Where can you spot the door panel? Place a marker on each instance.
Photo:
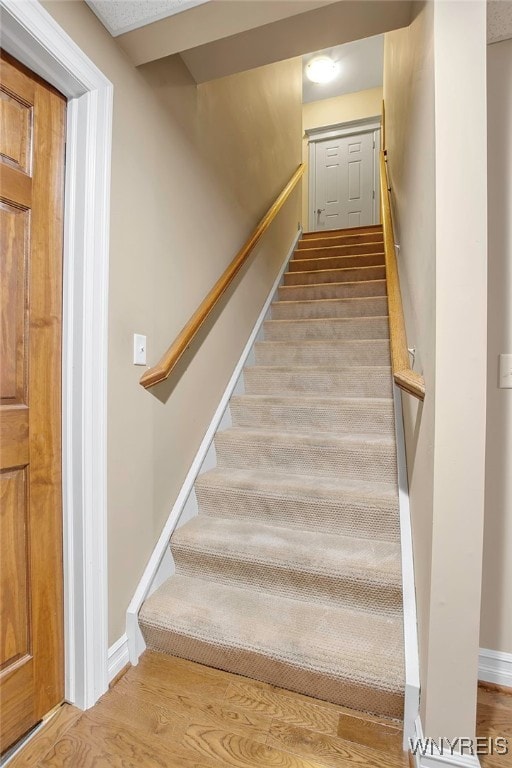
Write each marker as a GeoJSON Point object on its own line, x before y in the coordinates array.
{"type": "Point", "coordinates": [344, 183]}
{"type": "Point", "coordinates": [32, 136]}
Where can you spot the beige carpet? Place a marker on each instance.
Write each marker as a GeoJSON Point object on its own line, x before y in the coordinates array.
{"type": "Point", "coordinates": [291, 572]}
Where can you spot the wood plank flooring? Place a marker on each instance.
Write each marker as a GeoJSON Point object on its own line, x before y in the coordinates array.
{"type": "Point", "coordinates": [171, 713]}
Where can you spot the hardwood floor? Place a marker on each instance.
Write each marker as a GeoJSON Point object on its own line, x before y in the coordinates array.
{"type": "Point", "coordinates": [171, 713]}
{"type": "Point", "coordinates": [494, 718]}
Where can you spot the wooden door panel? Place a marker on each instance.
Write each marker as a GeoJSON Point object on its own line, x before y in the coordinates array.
{"type": "Point", "coordinates": [15, 132]}
{"type": "Point", "coordinates": [32, 122]}
{"type": "Point", "coordinates": [14, 602]}
{"type": "Point", "coordinates": [14, 230]}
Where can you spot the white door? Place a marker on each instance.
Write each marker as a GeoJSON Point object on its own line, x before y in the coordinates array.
{"type": "Point", "coordinates": [345, 182]}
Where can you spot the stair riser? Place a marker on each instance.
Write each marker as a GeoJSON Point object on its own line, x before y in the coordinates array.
{"type": "Point", "coordinates": [347, 515]}
{"type": "Point", "coordinates": [337, 262]}
{"type": "Point", "coordinates": [267, 669]}
{"type": "Point", "coordinates": [332, 355]}
{"type": "Point", "coordinates": [342, 328]}
{"type": "Point", "coordinates": [366, 382]}
{"type": "Point", "coordinates": [309, 310]}
{"type": "Point", "coordinates": [354, 290]}
{"type": "Point", "coordinates": [326, 242]}
{"type": "Point", "coordinates": [337, 251]}
{"type": "Point", "coordinates": [375, 463]}
{"type": "Point", "coordinates": [335, 419]}
{"type": "Point", "coordinates": [356, 274]}
{"type": "Point", "coordinates": [356, 592]}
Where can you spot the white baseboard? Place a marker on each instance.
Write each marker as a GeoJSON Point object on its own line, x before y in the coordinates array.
{"type": "Point", "coordinates": [118, 657]}
{"type": "Point", "coordinates": [186, 495]}
{"type": "Point", "coordinates": [495, 667]}
{"type": "Point", "coordinates": [434, 759]}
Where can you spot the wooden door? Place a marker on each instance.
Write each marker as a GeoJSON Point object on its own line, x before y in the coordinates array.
{"type": "Point", "coordinates": [32, 136]}
{"type": "Point", "coordinates": [345, 182]}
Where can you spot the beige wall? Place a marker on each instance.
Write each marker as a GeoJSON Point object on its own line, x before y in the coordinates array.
{"type": "Point", "coordinates": [434, 69]}
{"type": "Point", "coordinates": [496, 627]}
{"type": "Point", "coordinates": [410, 140]}
{"type": "Point", "coordinates": [192, 171]}
{"type": "Point", "coordinates": [340, 109]}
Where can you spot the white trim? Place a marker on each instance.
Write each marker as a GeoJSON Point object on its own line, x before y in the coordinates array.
{"type": "Point", "coordinates": [351, 128]}
{"type": "Point", "coordinates": [118, 657]}
{"type": "Point", "coordinates": [437, 760]}
{"type": "Point", "coordinates": [495, 667]}
{"type": "Point", "coordinates": [412, 664]}
{"type": "Point", "coordinates": [204, 458]}
{"type": "Point", "coordinates": [31, 35]}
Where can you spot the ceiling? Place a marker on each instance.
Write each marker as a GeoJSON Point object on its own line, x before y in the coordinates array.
{"type": "Point", "coordinates": [361, 66]}
{"type": "Point", "coordinates": [120, 16]}
{"type": "Point", "coordinates": [499, 20]}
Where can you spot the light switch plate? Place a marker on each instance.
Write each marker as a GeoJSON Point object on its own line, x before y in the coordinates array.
{"type": "Point", "coordinates": [139, 349]}
{"type": "Point", "coordinates": [505, 376]}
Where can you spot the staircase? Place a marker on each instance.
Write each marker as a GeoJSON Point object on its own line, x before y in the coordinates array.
{"type": "Point", "coordinates": [291, 572]}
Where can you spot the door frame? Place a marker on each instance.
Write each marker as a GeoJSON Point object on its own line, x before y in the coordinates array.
{"type": "Point", "coordinates": [350, 128]}
{"type": "Point", "coordinates": [33, 37]}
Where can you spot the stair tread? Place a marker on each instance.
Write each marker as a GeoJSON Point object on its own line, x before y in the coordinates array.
{"type": "Point", "coordinates": [312, 438]}
{"type": "Point", "coordinates": [340, 643]}
{"type": "Point", "coordinates": [299, 485]}
{"type": "Point", "coordinates": [314, 368]}
{"type": "Point", "coordinates": [337, 247]}
{"type": "Point", "coordinates": [330, 342]}
{"type": "Point", "coordinates": [337, 269]}
{"type": "Point", "coordinates": [344, 557]}
{"type": "Point", "coordinates": [331, 285]}
{"type": "Point", "coordinates": [340, 320]}
{"type": "Point", "coordinates": [313, 399]}
{"type": "Point", "coordinates": [343, 231]}
{"type": "Point", "coordinates": [342, 299]}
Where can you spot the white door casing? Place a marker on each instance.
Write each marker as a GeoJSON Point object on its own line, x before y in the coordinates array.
{"type": "Point", "coordinates": [344, 175]}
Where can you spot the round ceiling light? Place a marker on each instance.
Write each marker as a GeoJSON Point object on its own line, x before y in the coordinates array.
{"type": "Point", "coordinates": [321, 70]}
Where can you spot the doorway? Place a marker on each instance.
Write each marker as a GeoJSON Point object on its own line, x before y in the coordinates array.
{"type": "Point", "coordinates": [32, 162]}
{"type": "Point", "coordinates": [31, 36]}
{"type": "Point", "coordinates": [344, 176]}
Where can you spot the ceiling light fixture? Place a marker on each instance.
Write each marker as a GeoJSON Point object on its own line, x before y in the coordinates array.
{"type": "Point", "coordinates": [321, 70]}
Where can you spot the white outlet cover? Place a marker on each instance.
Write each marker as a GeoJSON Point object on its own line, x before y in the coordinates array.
{"type": "Point", "coordinates": [139, 349]}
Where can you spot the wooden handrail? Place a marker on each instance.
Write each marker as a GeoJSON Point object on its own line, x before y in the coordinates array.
{"type": "Point", "coordinates": [404, 376]}
{"type": "Point", "coordinates": [165, 365]}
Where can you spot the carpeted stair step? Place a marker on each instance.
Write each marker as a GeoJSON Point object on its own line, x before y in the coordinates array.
{"type": "Point", "coordinates": [348, 290]}
{"type": "Point", "coordinates": [325, 353]}
{"type": "Point", "coordinates": [350, 231]}
{"type": "Point", "coordinates": [336, 505]}
{"type": "Point", "coordinates": [318, 567]}
{"type": "Point", "coordinates": [337, 252]}
{"type": "Point", "coordinates": [347, 275]}
{"type": "Point", "coordinates": [352, 381]}
{"type": "Point", "coordinates": [373, 306]}
{"type": "Point", "coordinates": [314, 413]}
{"type": "Point", "coordinates": [336, 262]}
{"type": "Point", "coordinates": [353, 658]}
{"type": "Point", "coordinates": [319, 241]}
{"type": "Point", "coordinates": [310, 329]}
{"type": "Point", "coordinates": [365, 457]}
